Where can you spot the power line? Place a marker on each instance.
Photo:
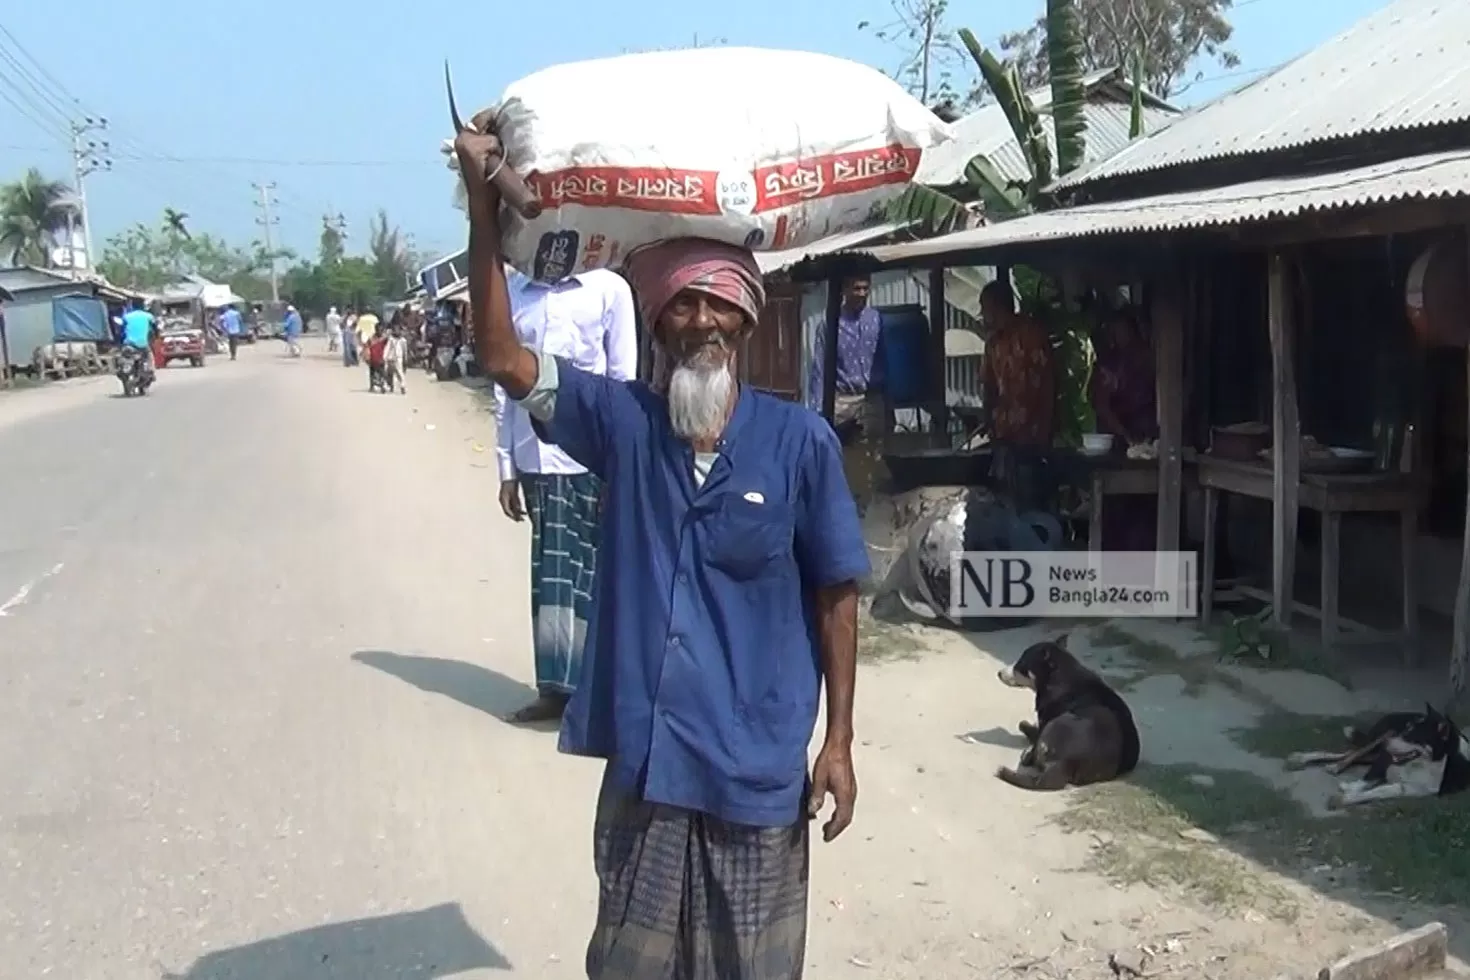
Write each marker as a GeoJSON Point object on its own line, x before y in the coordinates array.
{"type": "Point", "coordinates": [237, 161]}
{"type": "Point", "coordinates": [21, 73]}
{"type": "Point", "coordinates": [44, 99]}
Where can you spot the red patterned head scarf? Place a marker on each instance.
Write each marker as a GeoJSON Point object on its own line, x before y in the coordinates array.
{"type": "Point", "coordinates": [661, 271]}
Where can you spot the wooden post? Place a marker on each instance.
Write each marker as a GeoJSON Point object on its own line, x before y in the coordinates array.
{"type": "Point", "coordinates": [937, 359]}
{"type": "Point", "coordinates": [1460, 656]}
{"type": "Point", "coordinates": [1168, 339]}
{"type": "Point", "coordinates": [4, 354]}
{"type": "Point", "coordinates": [1286, 442]}
{"type": "Point", "coordinates": [829, 351]}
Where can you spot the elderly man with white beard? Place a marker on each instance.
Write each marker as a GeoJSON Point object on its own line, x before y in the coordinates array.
{"type": "Point", "coordinates": [726, 600]}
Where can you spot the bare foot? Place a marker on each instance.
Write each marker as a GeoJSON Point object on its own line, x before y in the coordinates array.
{"type": "Point", "coordinates": [547, 707]}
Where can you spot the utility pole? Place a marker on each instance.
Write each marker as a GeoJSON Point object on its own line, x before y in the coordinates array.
{"type": "Point", "coordinates": [267, 221]}
{"type": "Point", "coordinates": [87, 157]}
{"type": "Point", "coordinates": [410, 255]}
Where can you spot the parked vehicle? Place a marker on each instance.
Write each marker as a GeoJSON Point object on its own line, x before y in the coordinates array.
{"type": "Point", "coordinates": [134, 371]}
{"type": "Point", "coordinates": [182, 341]}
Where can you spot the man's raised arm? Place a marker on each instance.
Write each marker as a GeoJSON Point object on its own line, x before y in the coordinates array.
{"type": "Point", "coordinates": [568, 407]}
{"type": "Point", "coordinates": [497, 347]}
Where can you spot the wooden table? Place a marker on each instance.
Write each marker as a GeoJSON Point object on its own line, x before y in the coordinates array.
{"type": "Point", "coordinates": [1332, 495]}
{"type": "Point", "coordinates": [1116, 474]}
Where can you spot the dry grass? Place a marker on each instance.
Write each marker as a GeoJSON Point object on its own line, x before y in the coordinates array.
{"type": "Point", "coordinates": [1215, 834]}
{"type": "Point", "coordinates": [1147, 830]}
{"type": "Point", "coordinates": [880, 642]}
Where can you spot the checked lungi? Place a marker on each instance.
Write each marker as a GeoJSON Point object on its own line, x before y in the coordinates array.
{"type": "Point", "coordinates": [685, 896]}
{"type": "Point", "coordinates": [564, 511]}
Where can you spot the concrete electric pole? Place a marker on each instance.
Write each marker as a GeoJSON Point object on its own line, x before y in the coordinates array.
{"type": "Point", "coordinates": [267, 221]}
{"type": "Point", "coordinates": [87, 157]}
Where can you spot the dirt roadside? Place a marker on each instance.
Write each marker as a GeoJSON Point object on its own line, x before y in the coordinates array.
{"type": "Point", "coordinates": [949, 873]}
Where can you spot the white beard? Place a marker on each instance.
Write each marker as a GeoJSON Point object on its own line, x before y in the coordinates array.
{"type": "Point", "coordinates": [699, 399]}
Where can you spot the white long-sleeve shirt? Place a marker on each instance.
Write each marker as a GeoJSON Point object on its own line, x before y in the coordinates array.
{"type": "Point", "coordinates": [588, 320]}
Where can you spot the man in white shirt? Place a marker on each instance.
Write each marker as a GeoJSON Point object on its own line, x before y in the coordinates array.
{"type": "Point", "coordinates": [589, 320]}
{"type": "Point", "coordinates": [334, 330]}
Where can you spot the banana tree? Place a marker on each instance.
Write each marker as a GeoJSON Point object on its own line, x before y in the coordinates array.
{"type": "Point", "coordinates": [1000, 197]}
{"type": "Point", "coordinates": [1135, 109]}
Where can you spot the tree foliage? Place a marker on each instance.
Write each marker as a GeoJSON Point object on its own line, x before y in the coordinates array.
{"type": "Point", "coordinates": [34, 211]}
{"type": "Point", "coordinates": [351, 281]}
{"type": "Point", "coordinates": [392, 260]}
{"type": "Point", "coordinates": [931, 56]}
{"type": "Point", "coordinates": [150, 258]}
{"type": "Point", "coordinates": [331, 246]}
{"type": "Point", "coordinates": [1170, 37]}
{"type": "Point", "coordinates": [1068, 94]}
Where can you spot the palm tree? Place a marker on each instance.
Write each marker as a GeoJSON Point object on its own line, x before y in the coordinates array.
{"type": "Point", "coordinates": [173, 222]}
{"type": "Point", "coordinates": [33, 212]}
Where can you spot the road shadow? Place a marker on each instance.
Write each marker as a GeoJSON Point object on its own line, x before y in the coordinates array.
{"type": "Point", "coordinates": [427, 944]}
{"type": "Point", "coordinates": [470, 684]}
{"type": "Point", "coordinates": [1000, 737]}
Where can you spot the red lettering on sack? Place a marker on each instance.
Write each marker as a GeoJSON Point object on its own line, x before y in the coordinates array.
{"type": "Point", "coordinates": [779, 240]}
{"type": "Point", "coordinates": [798, 181]}
{"type": "Point", "coordinates": [656, 189]}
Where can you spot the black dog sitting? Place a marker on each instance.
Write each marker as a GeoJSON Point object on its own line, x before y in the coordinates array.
{"type": "Point", "coordinates": [1084, 732]}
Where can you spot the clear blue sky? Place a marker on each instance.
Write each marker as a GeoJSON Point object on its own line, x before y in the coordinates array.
{"type": "Point", "coordinates": [342, 104]}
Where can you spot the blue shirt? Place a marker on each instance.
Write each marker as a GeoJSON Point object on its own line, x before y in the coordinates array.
{"type": "Point", "coordinates": [701, 675]}
{"type": "Point", "coordinates": [230, 320]}
{"type": "Point", "coordinates": [137, 328]}
{"type": "Point", "coordinates": [293, 324]}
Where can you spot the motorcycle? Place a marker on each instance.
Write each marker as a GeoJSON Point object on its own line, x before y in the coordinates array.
{"type": "Point", "coordinates": [134, 371]}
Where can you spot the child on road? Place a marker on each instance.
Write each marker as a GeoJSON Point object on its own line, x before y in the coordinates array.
{"type": "Point", "coordinates": [376, 354]}
{"type": "Point", "coordinates": [394, 354]}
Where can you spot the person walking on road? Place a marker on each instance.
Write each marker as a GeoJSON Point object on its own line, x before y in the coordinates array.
{"type": "Point", "coordinates": [726, 601]}
{"type": "Point", "coordinates": [334, 330]}
{"type": "Point", "coordinates": [233, 328]}
{"type": "Point", "coordinates": [375, 353]}
{"type": "Point", "coordinates": [349, 339]}
{"type": "Point", "coordinates": [367, 329]}
{"type": "Point", "coordinates": [293, 331]}
{"type": "Point", "coordinates": [395, 352]}
{"type": "Point", "coordinates": [590, 318]}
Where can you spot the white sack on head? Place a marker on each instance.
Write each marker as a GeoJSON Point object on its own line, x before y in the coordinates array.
{"type": "Point", "coordinates": [766, 149]}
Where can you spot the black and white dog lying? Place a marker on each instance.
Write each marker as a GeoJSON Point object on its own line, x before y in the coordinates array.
{"type": "Point", "coordinates": [1408, 755]}
{"type": "Point", "coordinates": [1084, 732]}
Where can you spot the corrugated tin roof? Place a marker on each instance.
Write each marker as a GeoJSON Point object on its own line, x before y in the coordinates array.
{"type": "Point", "coordinates": [1404, 67]}
{"type": "Point", "coordinates": [1427, 177]}
{"type": "Point", "coordinates": [19, 279]}
{"type": "Point", "coordinates": [770, 262]}
{"type": "Point", "coordinates": [986, 131]}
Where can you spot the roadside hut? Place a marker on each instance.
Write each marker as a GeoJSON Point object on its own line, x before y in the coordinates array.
{"type": "Point", "coordinates": [1274, 252]}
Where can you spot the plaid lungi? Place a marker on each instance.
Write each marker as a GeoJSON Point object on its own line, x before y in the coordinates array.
{"type": "Point", "coordinates": [685, 896]}
{"type": "Point", "coordinates": [565, 514]}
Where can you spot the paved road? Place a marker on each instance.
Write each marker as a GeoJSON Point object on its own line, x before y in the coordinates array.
{"type": "Point", "coordinates": [257, 626]}
{"type": "Point", "coordinates": [257, 631]}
